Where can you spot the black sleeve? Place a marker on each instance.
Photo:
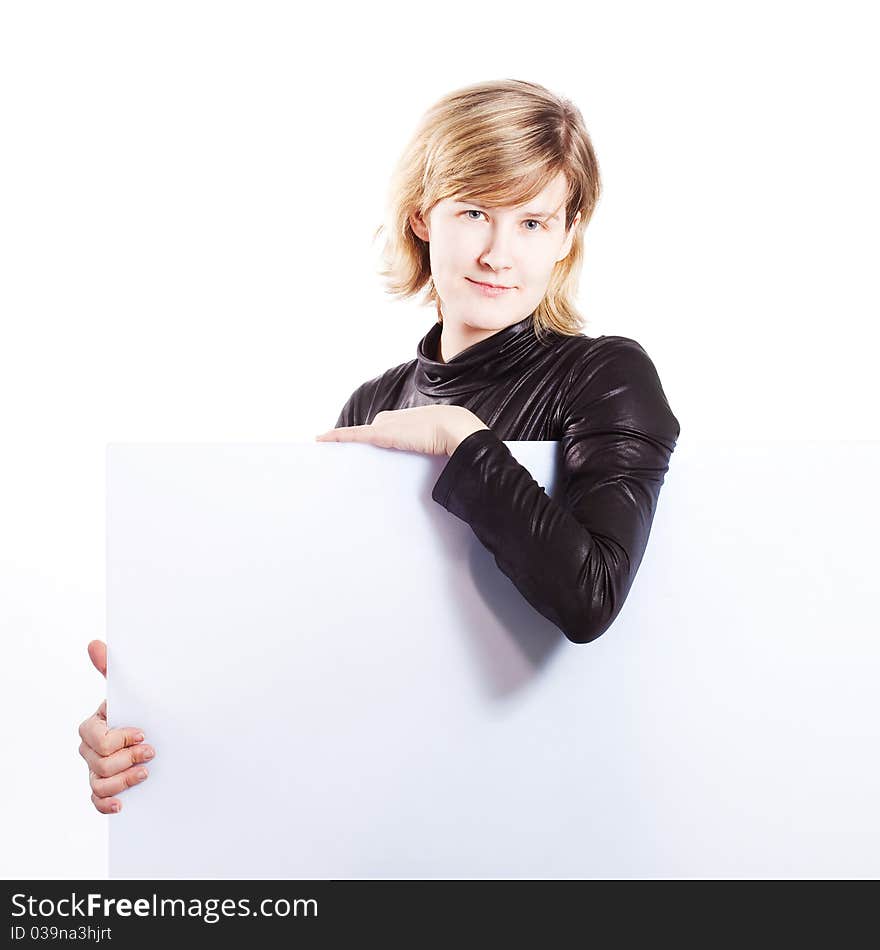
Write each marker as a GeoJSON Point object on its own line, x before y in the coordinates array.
{"type": "Point", "coordinates": [574, 557]}
{"type": "Point", "coordinates": [352, 412]}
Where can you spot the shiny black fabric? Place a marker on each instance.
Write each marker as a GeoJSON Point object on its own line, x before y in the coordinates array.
{"type": "Point", "coordinates": [573, 557]}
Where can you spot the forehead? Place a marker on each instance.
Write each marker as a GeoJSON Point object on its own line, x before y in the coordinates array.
{"type": "Point", "coordinates": [548, 199]}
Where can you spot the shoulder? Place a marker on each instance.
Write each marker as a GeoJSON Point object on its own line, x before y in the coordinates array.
{"type": "Point", "coordinates": [375, 394]}
{"type": "Point", "coordinates": [585, 362]}
{"type": "Point", "coordinates": [581, 350]}
{"type": "Point", "coordinates": [615, 354]}
{"type": "Point", "coordinates": [613, 381]}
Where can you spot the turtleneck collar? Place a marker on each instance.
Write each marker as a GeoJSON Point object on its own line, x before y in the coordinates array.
{"type": "Point", "coordinates": [478, 365]}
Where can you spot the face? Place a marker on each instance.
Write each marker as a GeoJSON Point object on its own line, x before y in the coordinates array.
{"type": "Point", "coordinates": [511, 247]}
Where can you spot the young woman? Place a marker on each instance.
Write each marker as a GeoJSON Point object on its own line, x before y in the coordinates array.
{"type": "Point", "coordinates": [487, 211]}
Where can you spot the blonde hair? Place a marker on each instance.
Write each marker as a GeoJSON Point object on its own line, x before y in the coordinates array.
{"type": "Point", "coordinates": [501, 141]}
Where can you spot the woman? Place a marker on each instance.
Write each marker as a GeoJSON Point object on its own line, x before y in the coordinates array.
{"type": "Point", "coordinates": [488, 207]}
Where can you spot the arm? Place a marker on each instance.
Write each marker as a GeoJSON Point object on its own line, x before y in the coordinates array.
{"type": "Point", "coordinates": [574, 558]}
{"type": "Point", "coordinates": [358, 408]}
{"type": "Point", "coordinates": [348, 415]}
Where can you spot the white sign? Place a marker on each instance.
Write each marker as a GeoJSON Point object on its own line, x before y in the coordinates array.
{"type": "Point", "coordinates": [341, 683]}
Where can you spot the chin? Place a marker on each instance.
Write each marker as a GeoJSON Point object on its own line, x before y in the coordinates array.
{"type": "Point", "coordinates": [484, 314]}
{"type": "Point", "coordinates": [496, 321]}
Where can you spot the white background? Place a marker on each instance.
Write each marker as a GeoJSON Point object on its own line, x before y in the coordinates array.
{"type": "Point", "coordinates": [188, 193]}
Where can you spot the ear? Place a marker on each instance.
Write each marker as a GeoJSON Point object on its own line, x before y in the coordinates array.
{"type": "Point", "coordinates": [417, 223]}
{"type": "Point", "coordinates": [569, 238]}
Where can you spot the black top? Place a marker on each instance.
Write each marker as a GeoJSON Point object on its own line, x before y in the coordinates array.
{"type": "Point", "coordinates": [573, 557]}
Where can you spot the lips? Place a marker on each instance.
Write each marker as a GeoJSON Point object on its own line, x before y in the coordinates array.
{"type": "Point", "coordinates": [484, 283]}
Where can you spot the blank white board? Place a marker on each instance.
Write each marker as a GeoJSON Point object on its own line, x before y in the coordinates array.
{"type": "Point", "coordinates": [340, 682]}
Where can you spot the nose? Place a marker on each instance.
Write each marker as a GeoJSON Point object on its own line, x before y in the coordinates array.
{"type": "Point", "coordinates": [497, 254]}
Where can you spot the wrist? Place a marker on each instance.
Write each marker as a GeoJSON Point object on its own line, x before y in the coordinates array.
{"type": "Point", "coordinates": [458, 433]}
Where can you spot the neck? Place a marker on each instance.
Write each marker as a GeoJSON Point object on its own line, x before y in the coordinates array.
{"type": "Point", "coordinates": [454, 339]}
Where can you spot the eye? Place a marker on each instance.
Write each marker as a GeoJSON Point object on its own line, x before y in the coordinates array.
{"type": "Point", "coordinates": [527, 221]}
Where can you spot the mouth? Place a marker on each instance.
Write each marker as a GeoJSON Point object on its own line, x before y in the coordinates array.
{"type": "Point", "coordinates": [482, 283]}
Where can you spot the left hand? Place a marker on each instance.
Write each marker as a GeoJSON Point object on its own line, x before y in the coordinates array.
{"type": "Point", "coordinates": [433, 430]}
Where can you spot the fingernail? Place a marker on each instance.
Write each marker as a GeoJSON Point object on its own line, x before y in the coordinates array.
{"type": "Point", "coordinates": [115, 807]}
{"type": "Point", "coordinates": [148, 753]}
{"type": "Point", "coordinates": [139, 737]}
{"type": "Point", "coordinates": [143, 774]}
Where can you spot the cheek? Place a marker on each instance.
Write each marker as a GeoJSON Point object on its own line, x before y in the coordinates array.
{"type": "Point", "coordinates": [537, 269]}
{"type": "Point", "coordinates": [548, 261]}
{"type": "Point", "coordinates": [450, 256]}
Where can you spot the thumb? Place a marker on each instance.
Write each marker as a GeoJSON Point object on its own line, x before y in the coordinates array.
{"type": "Point", "coordinates": [98, 656]}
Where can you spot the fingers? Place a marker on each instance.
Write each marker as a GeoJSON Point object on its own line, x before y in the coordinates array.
{"type": "Point", "coordinates": [107, 766]}
{"type": "Point", "coordinates": [348, 434]}
{"type": "Point", "coordinates": [106, 806]}
{"type": "Point", "coordinates": [98, 656]}
{"type": "Point", "coordinates": [371, 435]}
{"type": "Point", "coordinates": [94, 732]}
{"type": "Point", "coordinates": [114, 756]}
{"type": "Point", "coordinates": [120, 768]}
{"type": "Point", "coordinates": [108, 787]}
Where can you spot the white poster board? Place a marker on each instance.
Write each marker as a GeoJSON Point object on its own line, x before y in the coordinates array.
{"type": "Point", "coordinates": [340, 683]}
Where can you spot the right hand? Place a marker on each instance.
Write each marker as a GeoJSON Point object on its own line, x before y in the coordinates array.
{"type": "Point", "coordinates": [114, 756]}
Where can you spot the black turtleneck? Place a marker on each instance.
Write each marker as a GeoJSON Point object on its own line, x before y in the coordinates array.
{"type": "Point", "coordinates": [469, 371]}
{"type": "Point", "coordinates": [573, 557]}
